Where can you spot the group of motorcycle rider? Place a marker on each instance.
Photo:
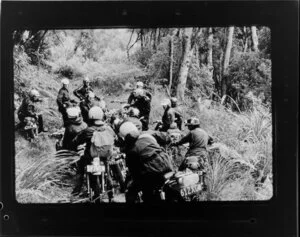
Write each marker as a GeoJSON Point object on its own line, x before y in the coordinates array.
{"type": "Point", "coordinates": [146, 158]}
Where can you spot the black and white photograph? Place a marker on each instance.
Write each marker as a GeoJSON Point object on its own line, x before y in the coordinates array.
{"type": "Point", "coordinates": [143, 115]}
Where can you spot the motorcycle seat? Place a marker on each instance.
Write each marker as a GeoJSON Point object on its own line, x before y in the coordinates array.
{"type": "Point", "coordinates": [168, 175]}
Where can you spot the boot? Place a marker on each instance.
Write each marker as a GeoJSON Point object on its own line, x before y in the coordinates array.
{"type": "Point", "coordinates": [41, 124]}
{"type": "Point", "coordinates": [79, 183]}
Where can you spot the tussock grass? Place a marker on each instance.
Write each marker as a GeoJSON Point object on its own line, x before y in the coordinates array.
{"type": "Point", "coordinates": [39, 172]}
{"type": "Point", "coordinates": [224, 167]}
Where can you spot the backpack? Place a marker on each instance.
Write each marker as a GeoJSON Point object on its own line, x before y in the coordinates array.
{"type": "Point", "coordinates": [102, 143]}
{"type": "Point", "coordinates": [158, 163]}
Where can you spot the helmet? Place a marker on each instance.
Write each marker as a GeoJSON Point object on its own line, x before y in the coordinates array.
{"type": "Point", "coordinates": [174, 100]}
{"type": "Point", "coordinates": [192, 162]}
{"type": "Point", "coordinates": [96, 113]}
{"type": "Point", "coordinates": [139, 84]}
{"type": "Point", "coordinates": [91, 95]}
{"type": "Point", "coordinates": [125, 106]}
{"type": "Point", "coordinates": [86, 79]}
{"type": "Point", "coordinates": [102, 104]}
{"type": "Point", "coordinates": [34, 92]}
{"type": "Point", "coordinates": [139, 92]}
{"type": "Point", "coordinates": [73, 112]}
{"type": "Point", "coordinates": [133, 112]}
{"type": "Point", "coordinates": [166, 102]}
{"type": "Point", "coordinates": [173, 125]}
{"type": "Point", "coordinates": [128, 128]}
{"type": "Point", "coordinates": [193, 121]}
{"type": "Point", "coordinates": [65, 81]}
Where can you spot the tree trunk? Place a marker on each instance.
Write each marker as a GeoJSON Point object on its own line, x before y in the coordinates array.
{"type": "Point", "coordinates": [254, 39]}
{"type": "Point", "coordinates": [210, 48]}
{"type": "Point", "coordinates": [127, 47]}
{"type": "Point", "coordinates": [226, 60]}
{"type": "Point", "coordinates": [155, 40]}
{"type": "Point", "coordinates": [184, 67]}
{"type": "Point", "coordinates": [245, 39]}
{"type": "Point", "coordinates": [171, 61]}
{"type": "Point", "coordinates": [142, 39]}
{"type": "Point", "coordinates": [197, 54]}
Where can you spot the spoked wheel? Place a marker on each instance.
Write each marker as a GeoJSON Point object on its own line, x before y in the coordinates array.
{"type": "Point", "coordinates": [94, 188]}
{"type": "Point", "coordinates": [97, 189]}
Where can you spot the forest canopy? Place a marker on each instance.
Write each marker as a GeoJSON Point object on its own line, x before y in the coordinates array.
{"type": "Point", "coordinates": [212, 62]}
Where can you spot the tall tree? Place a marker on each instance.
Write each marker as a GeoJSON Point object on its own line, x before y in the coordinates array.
{"type": "Point", "coordinates": [184, 67]}
{"type": "Point", "coordinates": [245, 39]}
{"type": "Point", "coordinates": [226, 60]}
{"type": "Point", "coordinates": [171, 59]}
{"type": "Point", "coordinates": [210, 48]}
{"type": "Point", "coordinates": [254, 38]}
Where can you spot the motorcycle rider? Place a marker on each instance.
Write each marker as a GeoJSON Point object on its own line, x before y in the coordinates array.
{"type": "Point", "coordinates": [133, 116]}
{"type": "Point", "coordinates": [168, 117]}
{"type": "Point", "coordinates": [28, 109]}
{"type": "Point", "coordinates": [141, 99]}
{"type": "Point", "coordinates": [133, 96]}
{"type": "Point", "coordinates": [85, 136]}
{"type": "Point", "coordinates": [198, 140]}
{"type": "Point", "coordinates": [63, 99]}
{"type": "Point", "coordinates": [83, 91]}
{"type": "Point", "coordinates": [74, 127]}
{"type": "Point", "coordinates": [86, 105]}
{"type": "Point", "coordinates": [147, 163]}
{"type": "Point", "coordinates": [178, 114]}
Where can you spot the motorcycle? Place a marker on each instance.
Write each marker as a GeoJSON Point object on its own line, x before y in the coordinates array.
{"type": "Point", "coordinates": [101, 177]}
{"type": "Point", "coordinates": [58, 135]}
{"type": "Point", "coordinates": [180, 186]}
{"type": "Point", "coordinates": [30, 128]}
{"type": "Point", "coordinates": [96, 180]}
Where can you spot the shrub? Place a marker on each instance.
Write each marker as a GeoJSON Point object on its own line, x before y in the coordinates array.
{"type": "Point", "coordinates": [142, 56]}
{"type": "Point", "coordinates": [23, 71]}
{"type": "Point", "coordinates": [200, 82]}
{"type": "Point", "coordinates": [42, 174]}
{"type": "Point", "coordinates": [249, 72]}
{"type": "Point", "coordinates": [224, 170]}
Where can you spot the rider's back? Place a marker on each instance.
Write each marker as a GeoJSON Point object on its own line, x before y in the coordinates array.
{"type": "Point", "coordinates": [198, 141]}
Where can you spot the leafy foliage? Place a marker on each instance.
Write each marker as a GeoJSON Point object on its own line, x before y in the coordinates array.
{"type": "Point", "coordinates": [250, 72]}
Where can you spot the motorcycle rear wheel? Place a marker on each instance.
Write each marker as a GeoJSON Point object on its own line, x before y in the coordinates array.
{"type": "Point", "coordinates": [94, 188]}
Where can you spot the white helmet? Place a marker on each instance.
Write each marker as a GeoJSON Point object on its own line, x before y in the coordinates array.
{"type": "Point", "coordinates": [128, 128]}
{"type": "Point", "coordinates": [166, 102]}
{"type": "Point", "coordinates": [139, 84]}
{"type": "Point", "coordinates": [91, 95]}
{"type": "Point", "coordinates": [174, 101]}
{"type": "Point", "coordinates": [139, 92]}
{"type": "Point", "coordinates": [133, 112]}
{"type": "Point", "coordinates": [34, 92]}
{"type": "Point", "coordinates": [73, 112]}
{"type": "Point", "coordinates": [86, 79]}
{"type": "Point", "coordinates": [65, 81]}
{"type": "Point", "coordinates": [96, 113]}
